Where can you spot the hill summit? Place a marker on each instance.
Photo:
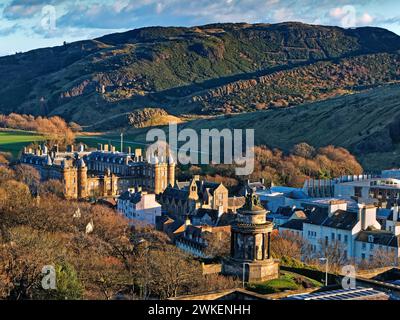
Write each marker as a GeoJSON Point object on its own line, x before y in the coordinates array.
{"type": "Point", "coordinates": [211, 69]}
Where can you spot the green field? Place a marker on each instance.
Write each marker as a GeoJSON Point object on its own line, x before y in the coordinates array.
{"type": "Point", "coordinates": [14, 141]}
{"type": "Point", "coordinates": [114, 139]}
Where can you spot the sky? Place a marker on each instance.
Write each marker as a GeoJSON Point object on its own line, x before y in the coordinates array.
{"type": "Point", "coordinates": [31, 24]}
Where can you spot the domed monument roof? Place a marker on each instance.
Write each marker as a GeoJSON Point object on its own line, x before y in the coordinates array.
{"type": "Point", "coordinates": [252, 204]}
{"type": "Point", "coordinates": [252, 214]}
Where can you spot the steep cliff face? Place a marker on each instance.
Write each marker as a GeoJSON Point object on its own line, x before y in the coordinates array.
{"type": "Point", "coordinates": [318, 81]}
{"type": "Point", "coordinates": [210, 69]}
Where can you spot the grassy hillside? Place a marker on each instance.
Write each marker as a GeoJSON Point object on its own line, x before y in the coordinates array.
{"type": "Point", "coordinates": [368, 124]}
{"type": "Point", "coordinates": [213, 69]}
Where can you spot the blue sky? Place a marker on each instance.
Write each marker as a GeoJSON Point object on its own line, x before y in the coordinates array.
{"type": "Point", "coordinates": [31, 24]}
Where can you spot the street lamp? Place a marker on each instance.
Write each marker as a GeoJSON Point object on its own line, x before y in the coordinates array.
{"type": "Point", "coordinates": [244, 269]}
{"type": "Point", "coordinates": [326, 269]}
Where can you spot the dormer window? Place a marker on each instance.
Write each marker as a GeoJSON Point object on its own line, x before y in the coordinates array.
{"type": "Point", "coordinates": [370, 238]}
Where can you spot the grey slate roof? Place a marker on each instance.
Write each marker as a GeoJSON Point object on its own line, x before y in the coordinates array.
{"type": "Point", "coordinates": [380, 237]}
{"type": "Point", "coordinates": [344, 220]}
{"type": "Point", "coordinates": [341, 219]}
{"type": "Point", "coordinates": [294, 224]}
{"type": "Point", "coordinates": [132, 197]}
{"type": "Point", "coordinates": [175, 193]}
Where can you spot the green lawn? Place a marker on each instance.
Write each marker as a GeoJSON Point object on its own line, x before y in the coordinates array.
{"type": "Point", "coordinates": [15, 141]}
{"type": "Point", "coordinates": [114, 139]}
{"type": "Point", "coordinates": [287, 281]}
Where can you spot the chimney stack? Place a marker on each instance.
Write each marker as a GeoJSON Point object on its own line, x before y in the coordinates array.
{"type": "Point", "coordinates": [395, 212]}
{"type": "Point", "coordinates": [138, 152]}
{"type": "Point", "coordinates": [187, 221]}
{"type": "Point", "coordinates": [335, 205]}
{"type": "Point", "coordinates": [367, 216]}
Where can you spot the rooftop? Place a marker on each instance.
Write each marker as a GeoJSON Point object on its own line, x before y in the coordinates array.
{"type": "Point", "coordinates": [379, 237]}
{"type": "Point", "coordinates": [343, 294]}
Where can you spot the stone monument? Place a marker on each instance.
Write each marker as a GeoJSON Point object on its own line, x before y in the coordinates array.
{"type": "Point", "coordinates": [251, 244]}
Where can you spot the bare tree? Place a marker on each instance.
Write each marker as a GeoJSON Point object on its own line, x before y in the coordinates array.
{"type": "Point", "coordinates": [381, 258]}
{"type": "Point", "coordinates": [28, 175]}
{"type": "Point", "coordinates": [335, 252]}
{"type": "Point", "coordinates": [218, 243]}
{"type": "Point", "coordinates": [287, 244]}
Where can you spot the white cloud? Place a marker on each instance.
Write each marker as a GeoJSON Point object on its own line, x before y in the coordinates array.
{"type": "Point", "coordinates": [348, 16]}
{"type": "Point", "coordinates": [366, 18]}
{"type": "Point", "coordinates": [159, 8]}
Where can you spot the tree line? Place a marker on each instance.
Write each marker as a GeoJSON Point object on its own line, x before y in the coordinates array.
{"type": "Point", "coordinates": [291, 168]}
{"type": "Point", "coordinates": [110, 260]}
{"type": "Point", "coordinates": [54, 129]}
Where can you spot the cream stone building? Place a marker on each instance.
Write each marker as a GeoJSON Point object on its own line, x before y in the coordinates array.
{"type": "Point", "coordinates": [185, 198]}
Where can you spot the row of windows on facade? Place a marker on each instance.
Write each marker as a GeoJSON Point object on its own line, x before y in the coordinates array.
{"type": "Point", "coordinates": [138, 171]}
{"type": "Point", "coordinates": [382, 194]}
{"type": "Point", "coordinates": [363, 245]}
{"type": "Point", "coordinates": [313, 234]}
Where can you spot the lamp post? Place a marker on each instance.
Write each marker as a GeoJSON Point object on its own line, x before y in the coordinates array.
{"type": "Point", "coordinates": [326, 269]}
{"type": "Point", "coordinates": [244, 272]}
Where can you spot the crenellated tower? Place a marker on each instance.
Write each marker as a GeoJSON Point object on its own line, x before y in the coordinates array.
{"type": "Point", "coordinates": [171, 170]}
{"type": "Point", "coordinates": [82, 179]}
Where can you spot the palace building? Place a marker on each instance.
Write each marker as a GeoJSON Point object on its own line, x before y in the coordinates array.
{"type": "Point", "coordinates": [101, 173]}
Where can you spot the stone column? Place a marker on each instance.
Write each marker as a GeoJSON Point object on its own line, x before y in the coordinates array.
{"type": "Point", "coordinates": [264, 245]}
{"type": "Point", "coordinates": [269, 245]}
{"type": "Point", "coordinates": [254, 247]}
{"type": "Point", "coordinates": [233, 243]}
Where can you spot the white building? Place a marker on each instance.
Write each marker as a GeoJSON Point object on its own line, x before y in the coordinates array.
{"type": "Point", "coordinates": [140, 206]}
{"type": "Point", "coordinates": [383, 189]}
{"type": "Point", "coordinates": [380, 189]}
{"type": "Point", "coordinates": [357, 231]}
